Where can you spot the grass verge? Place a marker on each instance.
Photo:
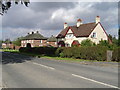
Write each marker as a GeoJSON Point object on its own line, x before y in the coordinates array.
{"type": "Point", "coordinates": [10, 50]}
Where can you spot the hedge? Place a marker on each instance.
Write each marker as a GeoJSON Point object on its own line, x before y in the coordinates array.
{"type": "Point", "coordinates": [87, 53]}
{"type": "Point", "coordinates": [49, 51]}
{"type": "Point", "coordinates": [116, 55]}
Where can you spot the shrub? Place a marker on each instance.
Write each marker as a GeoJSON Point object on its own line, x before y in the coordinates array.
{"type": "Point", "coordinates": [49, 51]}
{"type": "Point", "coordinates": [87, 42]}
{"type": "Point", "coordinates": [116, 56]}
{"type": "Point", "coordinates": [59, 50]}
{"type": "Point", "coordinates": [88, 53]}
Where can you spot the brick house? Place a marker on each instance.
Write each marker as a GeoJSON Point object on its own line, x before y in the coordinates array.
{"type": "Point", "coordinates": [34, 39]}
{"type": "Point", "coordinates": [76, 34]}
{"type": "Point", "coordinates": [52, 41]}
{"type": "Point", "coordinates": [8, 45]}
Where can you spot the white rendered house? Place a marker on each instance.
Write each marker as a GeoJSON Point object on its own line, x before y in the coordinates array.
{"type": "Point", "coordinates": [93, 31]}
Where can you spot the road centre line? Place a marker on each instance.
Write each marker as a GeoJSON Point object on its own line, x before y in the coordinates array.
{"type": "Point", "coordinates": [44, 66]}
{"type": "Point", "coordinates": [95, 81]}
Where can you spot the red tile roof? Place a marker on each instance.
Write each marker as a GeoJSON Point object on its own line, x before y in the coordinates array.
{"type": "Point", "coordinates": [84, 30]}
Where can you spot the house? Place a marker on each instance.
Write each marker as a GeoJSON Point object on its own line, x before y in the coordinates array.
{"type": "Point", "coordinates": [52, 41]}
{"type": "Point", "coordinates": [71, 35]}
{"type": "Point", "coordinates": [33, 39]}
{"type": "Point", "coordinates": [7, 44]}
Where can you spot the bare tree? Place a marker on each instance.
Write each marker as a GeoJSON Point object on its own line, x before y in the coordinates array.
{"type": "Point", "coordinates": [6, 4]}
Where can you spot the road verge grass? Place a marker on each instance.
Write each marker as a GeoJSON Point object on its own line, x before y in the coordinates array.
{"type": "Point", "coordinates": [9, 50]}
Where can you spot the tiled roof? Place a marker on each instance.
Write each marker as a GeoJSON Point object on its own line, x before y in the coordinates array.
{"type": "Point", "coordinates": [52, 39]}
{"type": "Point", "coordinates": [34, 36]}
{"type": "Point", "coordinates": [84, 30]}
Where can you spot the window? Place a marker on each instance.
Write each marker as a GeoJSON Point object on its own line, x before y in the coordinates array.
{"type": "Point", "coordinates": [40, 41]}
{"type": "Point", "coordinates": [69, 35]}
{"type": "Point", "coordinates": [94, 35]}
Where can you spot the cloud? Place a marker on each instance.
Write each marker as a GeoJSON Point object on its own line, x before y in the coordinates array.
{"type": "Point", "coordinates": [48, 17]}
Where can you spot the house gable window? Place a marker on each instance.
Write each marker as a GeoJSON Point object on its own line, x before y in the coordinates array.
{"type": "Point", "coordinates": [69, 35]}
{"type": "Point", "coordinates": [94, 35]}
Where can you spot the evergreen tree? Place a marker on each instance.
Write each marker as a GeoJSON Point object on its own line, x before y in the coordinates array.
{"type": "Point", "coordinates": [17, 42]}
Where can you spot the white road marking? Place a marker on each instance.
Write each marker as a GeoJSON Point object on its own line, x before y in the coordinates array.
{"type": "Point", "coordinates": [95, 81]}
{"type": "Point", "coordinates": [44, 66]}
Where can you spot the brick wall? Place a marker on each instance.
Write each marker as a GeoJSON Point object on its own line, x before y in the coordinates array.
{"type": "Point", "coordinates": [54, 44]}
{"type": "Point", "coordinates": [34, 43]}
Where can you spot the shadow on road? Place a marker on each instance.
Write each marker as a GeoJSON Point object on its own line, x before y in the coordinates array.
{"type": "Point", "coordinates": [14, 58]}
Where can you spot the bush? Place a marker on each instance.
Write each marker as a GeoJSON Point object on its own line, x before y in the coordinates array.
{"type": "Point", "coordinates": [88, 53]}
{"type": "Point", "coordinates": [87, 42]}
{"type": "Point", "coordinates": [116, 56]}
{"type": "Point", "coordinates": [49, 51]}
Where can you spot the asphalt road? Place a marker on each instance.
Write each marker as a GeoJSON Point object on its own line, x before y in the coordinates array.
{"type": "Point", "coordinates": [19, 71]}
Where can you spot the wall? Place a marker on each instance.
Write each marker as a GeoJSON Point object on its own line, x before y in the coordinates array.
{"type": "Point", "coordinates": [70, 40]}
{"type": "Point", "coordinates": [34, 43]}
{"type": "Point", "coordinates": [100, 34]}
{"type": "Point", "coordinates": [54, 44]}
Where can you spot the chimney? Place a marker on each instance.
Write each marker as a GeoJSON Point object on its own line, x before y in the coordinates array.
{"type": "Point", "coordinates": [97, 19]}
{"type": "Point", "coordinates": [65, 25]}
{"type": "Point", "coordinates": [79, 22]}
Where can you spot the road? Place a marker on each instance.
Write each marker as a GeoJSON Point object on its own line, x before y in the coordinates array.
{"type": "Point", "coordinates": [20, 71]}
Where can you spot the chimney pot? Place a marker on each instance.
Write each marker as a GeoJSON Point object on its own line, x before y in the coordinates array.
{"type": "Point", "coordinates": [32, 32]}
{"type": "Point", "coordinates": [37, 31]}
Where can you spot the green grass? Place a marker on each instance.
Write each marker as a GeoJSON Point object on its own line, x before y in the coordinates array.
{"type": "Point", "coordinates": [9, 50]}
{"type": "Point", "coordinates": [68, 59]}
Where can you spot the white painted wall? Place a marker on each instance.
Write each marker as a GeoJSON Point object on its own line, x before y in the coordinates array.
{"type": "Point", "coordinates": [100, 34]}
{"type": "Point", "coordinates": [70, 40]}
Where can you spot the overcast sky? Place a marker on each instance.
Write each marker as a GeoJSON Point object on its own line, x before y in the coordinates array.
{"type": "Point", "coordinates": [48, 17]}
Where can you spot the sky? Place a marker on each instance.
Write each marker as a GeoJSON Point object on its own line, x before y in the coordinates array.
{"type": "Point", "coordinates": [48, 17]}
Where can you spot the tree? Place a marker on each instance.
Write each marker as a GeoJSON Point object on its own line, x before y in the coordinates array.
{"type": "Point", "coordinates": [110, 37]}
{"type": "Point", "coordinates": [87, 42]}
{"type": "Point", "coordinates": [115, 41]}
{"type": "Point", "coordinates": [103, 43]}
{"type": "Point", "coordinates": [6, 4]}
{"type": "Point", "coordinates": [0, 43]}
{"type": "Point", "coordinates": [17, 42]}
{"type": "Point", "coordinates": [119, 37]}
{"type": "Point", "coordinates": [7, 41]}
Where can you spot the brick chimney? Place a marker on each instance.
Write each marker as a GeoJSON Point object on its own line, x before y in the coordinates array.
{"type": "Point", "coordinates": [79, 22]}
{"type": "Point", "coordinates": [97, 19]}
{"type": "Point", "coordinates": [65, 25]}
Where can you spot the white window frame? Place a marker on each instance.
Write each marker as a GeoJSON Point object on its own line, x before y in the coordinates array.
{"type": "Point", "coordinates": [41, 41]}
